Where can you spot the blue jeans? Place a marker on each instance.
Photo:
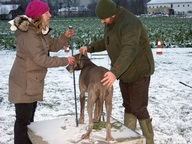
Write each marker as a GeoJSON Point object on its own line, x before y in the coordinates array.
{"type": "Point", "coordinates": [24, 115]}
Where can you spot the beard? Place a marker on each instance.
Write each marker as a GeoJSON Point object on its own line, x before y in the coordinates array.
{"type": "Point", "coordinates": [110, 21]}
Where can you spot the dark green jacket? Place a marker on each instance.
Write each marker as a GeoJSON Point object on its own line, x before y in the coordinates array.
{"type": "Point", "coordinates": [127, 44]}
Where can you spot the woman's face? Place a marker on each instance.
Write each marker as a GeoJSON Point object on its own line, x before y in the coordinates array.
{"type": "Point", "coordinates": [46, 17]}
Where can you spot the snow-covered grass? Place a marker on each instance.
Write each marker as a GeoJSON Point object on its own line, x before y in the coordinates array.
{"type": "Point", "coordinates": [169, 101]}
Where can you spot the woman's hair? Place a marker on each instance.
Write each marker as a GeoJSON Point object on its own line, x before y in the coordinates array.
{"type": "Point", "coordinates": [38, 25]}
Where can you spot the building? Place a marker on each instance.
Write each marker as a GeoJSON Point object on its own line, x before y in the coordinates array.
{"type": "Point", "coordinates": [74, 12]}
{"type": "Point", "coordinates": [9, 11]}
{"type": "Point", "coordinates": [171, 7]}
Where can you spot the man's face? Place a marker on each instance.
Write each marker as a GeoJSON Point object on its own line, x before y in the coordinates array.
{"type": "Point", "coordinates": [107, 21]}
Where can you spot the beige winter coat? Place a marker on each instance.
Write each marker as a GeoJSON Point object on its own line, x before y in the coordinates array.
{"type": "Point", "coordinates": [26, 79]}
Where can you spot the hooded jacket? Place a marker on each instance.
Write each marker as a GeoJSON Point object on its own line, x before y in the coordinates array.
{"type": "Point", "coordinates": [127, 44]}
{"type": "Point", "coordinates": [26, 79]}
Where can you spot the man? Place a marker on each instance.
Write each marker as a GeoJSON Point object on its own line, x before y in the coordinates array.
{"type": "Point", "coordinates": [127, 44]}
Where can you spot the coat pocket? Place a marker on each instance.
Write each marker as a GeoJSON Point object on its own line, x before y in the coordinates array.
{"type": "Point", "coordinates": [35, 83]}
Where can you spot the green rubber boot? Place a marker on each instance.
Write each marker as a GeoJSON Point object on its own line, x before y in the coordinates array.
{"type": "Point", "coordinates": [130, 121]}
{"type": "Point", "coordinates": [147, 130]}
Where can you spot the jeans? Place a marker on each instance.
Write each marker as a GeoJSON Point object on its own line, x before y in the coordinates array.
{"type": "Point", "coordinates": [135, 97]}
{"type": "Point", "coordinates": [24, 115]}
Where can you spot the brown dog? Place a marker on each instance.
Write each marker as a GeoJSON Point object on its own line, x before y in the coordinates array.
{"type": "Point", "coordinates": [90, 81]}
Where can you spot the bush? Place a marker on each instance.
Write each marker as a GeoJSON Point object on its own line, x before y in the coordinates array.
{"type": "Point", "coordinates": [173, 32]}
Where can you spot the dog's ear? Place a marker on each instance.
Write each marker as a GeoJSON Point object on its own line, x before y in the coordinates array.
{"type": "Point", "coordinates": [70, 68]}
{"type": "Point", "coordinates": [86, 55]}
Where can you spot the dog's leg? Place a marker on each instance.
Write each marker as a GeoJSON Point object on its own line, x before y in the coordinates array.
{"type": "Point", "coordinates": [108, 105]}
{"type": "Point", "coordinates": [82, 107]}
{"type": "Point", "coordinates": [90, 104]}
{"type": "Point", "coordinates": [96, 111]}
{"type": "Point", "coordinates": [101, 100]}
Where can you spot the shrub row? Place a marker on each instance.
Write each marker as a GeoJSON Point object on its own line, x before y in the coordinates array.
{"type": "Point", "coordinates": [173, 32]}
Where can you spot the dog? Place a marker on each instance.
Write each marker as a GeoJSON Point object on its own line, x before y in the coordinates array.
{"type": "Point", "coordinates": [90, 82]}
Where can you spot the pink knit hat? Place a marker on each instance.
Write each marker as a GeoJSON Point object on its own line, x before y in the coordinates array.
{"type": "Point", "coordinates": [36, 8]}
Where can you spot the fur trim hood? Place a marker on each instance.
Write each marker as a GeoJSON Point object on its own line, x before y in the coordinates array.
{"type": "Point", "coordinates": [22, 22]}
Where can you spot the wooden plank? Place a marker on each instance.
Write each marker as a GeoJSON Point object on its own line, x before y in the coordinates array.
{"type": "Point", "coordinates": [64, 131]}
{"type": "Point", "coordinates": [35, 138]}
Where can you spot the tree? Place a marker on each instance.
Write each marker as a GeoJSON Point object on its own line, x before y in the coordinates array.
{"type": "Point", "coordinates": [137, 6]}
{"type": "Point", "coordinates": [92, 7]}
{"type": "Point", "coordinates": [123, 3]}
{"type": "Point", "coordinates": [23, 4]}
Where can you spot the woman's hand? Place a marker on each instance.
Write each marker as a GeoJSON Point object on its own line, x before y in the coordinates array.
{"type": "Point", "coordinates": [71, 60]}
{"type": "Point", "coordinates": [69, 33]}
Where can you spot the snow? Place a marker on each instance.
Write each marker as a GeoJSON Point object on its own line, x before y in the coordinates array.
{"type": "Point", "coordinates": [68, 132]}
{"type": "Point", "coordinates": [169, 100]}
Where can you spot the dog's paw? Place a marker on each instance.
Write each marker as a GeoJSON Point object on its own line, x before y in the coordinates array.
{"type": "Point", "coordinates": [85, 136]}
{"type": "Point", "coordinates": [109, 138]}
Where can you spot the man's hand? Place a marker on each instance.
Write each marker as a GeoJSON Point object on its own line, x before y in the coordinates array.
{"type": "Point", "coordinates": [83, 50]}
{"type": "Point", "coordinates": [109, 79]}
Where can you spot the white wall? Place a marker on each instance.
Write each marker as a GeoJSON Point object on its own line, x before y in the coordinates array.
{"type": "Point", "coordinates": [185, 7]}
{"type": "Point", "coordinates": [178, 7]}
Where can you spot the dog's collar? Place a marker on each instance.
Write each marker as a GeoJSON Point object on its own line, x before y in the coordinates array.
{"type": "Point", "coordinates": [79, 59]}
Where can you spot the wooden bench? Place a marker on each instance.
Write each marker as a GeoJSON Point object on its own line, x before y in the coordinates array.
{"type": "Point", "coordinates": [65, 131]}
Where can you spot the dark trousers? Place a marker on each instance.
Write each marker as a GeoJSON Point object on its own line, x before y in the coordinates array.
{"type": "Point", "coordinates": [135, 97]}
{"type": "Point", "coordinates": [24, 115]}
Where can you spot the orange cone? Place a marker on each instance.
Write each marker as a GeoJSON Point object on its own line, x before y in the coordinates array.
{"type": "Point", "coordinates": [159, 47]}
{"type": "Point", "coordinates": [66, 47]}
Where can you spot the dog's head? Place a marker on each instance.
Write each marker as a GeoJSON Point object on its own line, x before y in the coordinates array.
{"type": "Point", "coordinates": [80, 61]}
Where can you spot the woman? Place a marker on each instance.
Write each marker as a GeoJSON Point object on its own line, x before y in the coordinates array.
{"type": "Point", "coordinates": [26, 80]}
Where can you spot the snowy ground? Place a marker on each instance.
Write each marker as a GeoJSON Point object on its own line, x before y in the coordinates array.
{"type": "Point", "coordinates": [169, 102]}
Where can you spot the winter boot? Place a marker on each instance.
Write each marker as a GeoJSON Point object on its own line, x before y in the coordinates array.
{"type": "Point", "coordinates": [147, 130]}
{"type": "Point", "coordinates": [130, 121]}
